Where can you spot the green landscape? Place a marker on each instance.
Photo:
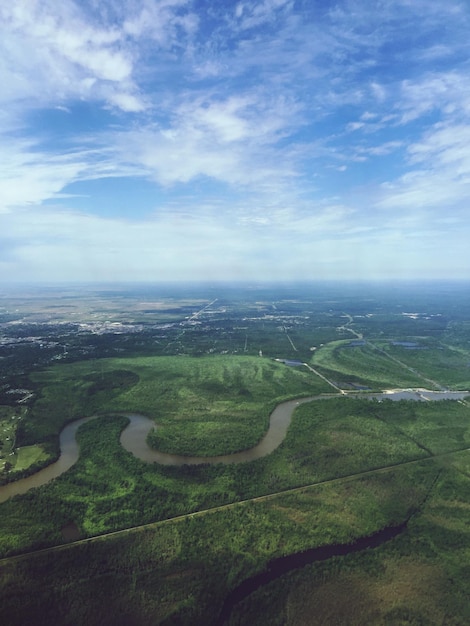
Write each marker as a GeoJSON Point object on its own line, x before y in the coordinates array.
{"type": "Point", "coordinates": [380, 486]}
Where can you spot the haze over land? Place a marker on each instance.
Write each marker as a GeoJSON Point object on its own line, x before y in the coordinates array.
{"type": "Point", "coordinates": [275, 139]}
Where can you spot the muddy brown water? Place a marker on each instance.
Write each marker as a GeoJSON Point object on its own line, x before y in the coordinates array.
{"type": "Point", "coordinates": [133, 439]}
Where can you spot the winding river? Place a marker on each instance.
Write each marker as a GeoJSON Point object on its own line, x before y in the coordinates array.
{"type": "Point", "coordinates": [133, 439]}
{"type": "Point", "coordinates": [285, 564]}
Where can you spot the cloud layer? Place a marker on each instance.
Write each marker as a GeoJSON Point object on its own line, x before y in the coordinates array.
{"type": "Point", "coordinates": [269, 139]}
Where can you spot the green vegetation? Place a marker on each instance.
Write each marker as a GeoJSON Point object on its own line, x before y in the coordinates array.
{"type": "Point", "coordinates": [346, 469]}
{"type": "Point", "coordinates": [12, 458]}
{"type": "Point", "coordinates": [421, 577]}
{"type": "Point", "coordinates": [180, 572]}
{"type": "Point", "coordinates": [448, 365]}
{"type": "Point", "coordinates": [438, 427]}
{"type": "Point", "coordinates": [109, 489]}
{"type": "Point", "coordinates": [29, 456]}
{"type": "Point", "coordinates": [337, 437]}
{"type": "Point", "coordinates": [203, 406]}
{"type": "Point", "coordinates": [345, 362]}
{"type": "Point", "coordinates": [7, 436]}
{"type": "Point", "coordinates": [66, 392]}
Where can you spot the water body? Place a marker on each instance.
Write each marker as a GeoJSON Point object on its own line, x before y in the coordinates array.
{"type": "Point", "coordinates": [133, 439]}
{"type": "Point", "coordinates": [285, 564]}
{"type": "Point", "coordinates": [422, 395]}
{"type": "Point", "coordinates": [69, 453]}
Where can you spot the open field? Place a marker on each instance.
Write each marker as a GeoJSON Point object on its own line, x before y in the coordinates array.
{"type": "Point", "coordinates": [30, 455]}
{"type": "Point", "coordinates": [446, 364]}
{"type": "Point", "coordinates": [355, 361]}
{"type": "Point", "coordinates": [10, 455]}
{"type": "Point", "coordinates": [437, 427]}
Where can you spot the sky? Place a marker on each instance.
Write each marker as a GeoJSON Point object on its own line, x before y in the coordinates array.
{"type": "Point", "coordinates": [209, 140]}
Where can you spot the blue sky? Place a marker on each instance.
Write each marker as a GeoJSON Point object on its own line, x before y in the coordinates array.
{"type": "Point", "coordinates": [198, 140]}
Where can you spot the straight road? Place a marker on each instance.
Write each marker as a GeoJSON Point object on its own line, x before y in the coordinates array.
{"type": "Point", "coordinates": [226, 507]}
{"type": "Point", "coordinates": [312, 369]}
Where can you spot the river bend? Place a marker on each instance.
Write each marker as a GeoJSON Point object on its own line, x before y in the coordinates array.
{"type": "Point", "coordinates": [133, 439]}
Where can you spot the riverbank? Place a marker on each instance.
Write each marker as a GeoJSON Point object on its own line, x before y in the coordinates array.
{"type": "Point", "coordinates": [134, 438]}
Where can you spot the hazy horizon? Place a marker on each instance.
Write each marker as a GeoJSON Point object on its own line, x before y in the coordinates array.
{"type": "Point", "coordinates": [250, 285]}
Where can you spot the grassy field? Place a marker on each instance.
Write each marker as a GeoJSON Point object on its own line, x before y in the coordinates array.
{"type": "Point", "coordinates": [438, 427]}
{"type": "Point", "coordinates": [30, 455]}
{"type": "Point", "coordinates": [345, 363]}
{"type": "Point", "coordinates": [338, 437]}
{"type": "Point", "coordinates": [10, 418]}
{"type": "Point", "coordinates": [448, 365]}
{"type": "Point", "coordinates": [381, 364]}
{"type": "Point", "coordinates": [204, 406]}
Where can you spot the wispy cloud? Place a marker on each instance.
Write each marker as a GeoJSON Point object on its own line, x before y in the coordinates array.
{"type": "Point", "coordinates": [447, 93]}
{"type": "Point", "coordinates": [56, 52]}
{"type": "Point", "coordinates": [253, 14]}
{"type": "Point", "coordinates": [337, 129]}
{"type": "Point", "coordinates": [440, 177]}
{"type": "Point", "coordinates": [31, 175]}
{"type": "Point", "coordinates": [232, 139]}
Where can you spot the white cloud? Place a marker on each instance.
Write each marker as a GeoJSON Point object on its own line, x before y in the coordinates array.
{"type": "Point", "coordinates": [210, 245]}
{"type": "Point", "coordinates": [231, 140]}
{"type": "Point", "coordinates": [161, 20]}
{"type": "Point", "coordinates": [447, 92]}
{"type": "Point", "coordinates": [367, 116]}
{"type": "Point", "coordinates": [379, 92]}
{"type": "Point", "coordinates": [442, 178]}
{"type": "Point", "coordinates": [444, 145]}
{"type": "Point", "coordinates": [126, 102]}
{"type": "Point", "coordinates": [240, 116]}
{"type": "Point", "coordinates": [30, 175]}
{"type": "Point", "coordinates": [254, 13]}
{"type": "Point", "coordinates": [437, 52]}
{"type": "Point", "coordinates": [52, 52]}
{"type": "Point", "coordinates": [380, 149]}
